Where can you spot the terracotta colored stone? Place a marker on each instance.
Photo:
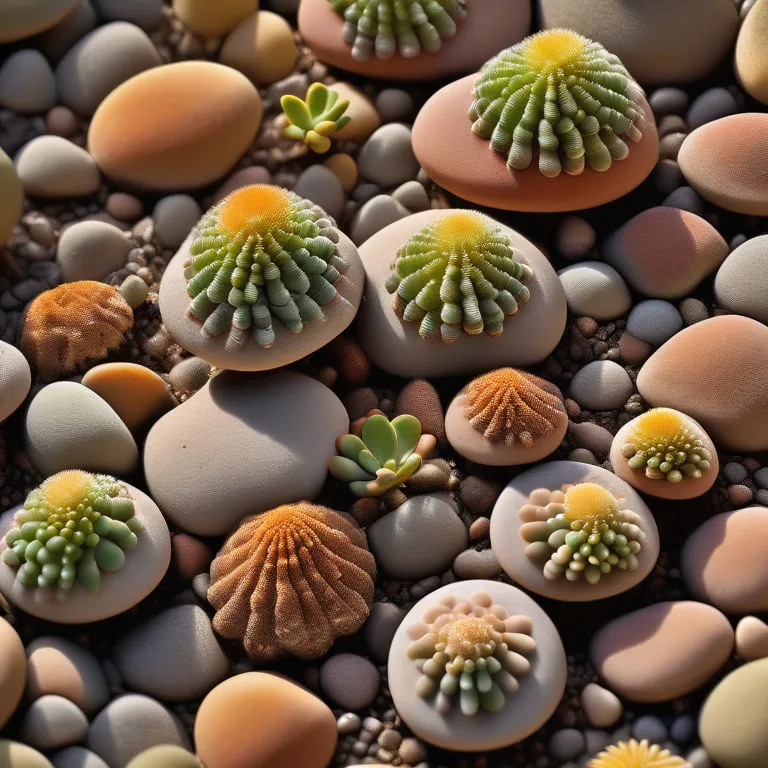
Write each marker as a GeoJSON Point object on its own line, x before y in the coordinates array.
{"type": "Point", "coordinates": [260, 720]}
{"type": "Point", "coordinates": [714, 371]}
{"type": "Point", "coordinates": [465, 164]}
{"type": "Point", "coordinates": [633, 350]}
{"type": "Point", "coordinates": [479, 37]}
{"type": "Point", "coordinates": [722, 559]}
{"type": "Point", "coordinates": [24, 18]}
{"type": "Point", "coordinates": [752, 638]}
{"type": "Point", "coordinates": [722, 162]}
{"type": "Point", "coordinates": [13, 670]}
{"type": "Point", "coordinates": [213, 19]}
{"type": "Point", "coordinates": [665, 252]}
{"type": "Point", "coordinates": [662, 652]}
{"type": "Point", "coordinates": [141, 138]}
{"type": "Point", "coordinates": [751, 60]}
{"type": "Point", "coordinates": [420, 399]}
{"type": "Point", "coordinates": [190, 556]}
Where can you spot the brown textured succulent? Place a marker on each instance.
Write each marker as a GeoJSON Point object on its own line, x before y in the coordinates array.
{"type": "Point", "coordinates": [513, 406]}
{"type": "Point", "coordinates": [72, 323]}
{"type": "Point", "coordinates": [292, 580]}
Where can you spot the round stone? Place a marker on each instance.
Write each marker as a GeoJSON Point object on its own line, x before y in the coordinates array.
{"type": "Point", "coordinates": [710, 105]}
{"type": "Point", "coordinates": [52, 167]}
{"type": "Point", "coordinates": [374, 215]}
{"type": "Point", "coordinates": [77, 757]}
{"type": "Point", "coordinates": [362, 114]}
{"type": "Point", "coordinates": [596, 290]}
{"type": "Point", "coordinates": [750, 61]}
{"type": "Point", "coordinates": [718, 161]}
{"type": "Point", "coordinates": [285, 425]}
{"type": "Point", "coordinates": [741, 283]}
{"type": "Point", "coordinates": [714, 558]}
{"type": "Point", "coordinates": [68, 426]}
{"type": "Point", "coordinates": [662, 652]}
{"type": "Point", "coordinates": [394, 105]}
{"type": "Point", "coordinates": [752, 638]}
{"type": "Point", "coordinates": [52, 722]}
{"type": "Point", "coordinates": [344, 168]}
{"type": "Point", "coordinates": [124, 207]}
{"type": "Point", "coordinates": [396, 347]}
{"type": "Point", "coordinates": [140, 138]}
{"type": "Point", "coordinates": [575, 238]}
{"type": "Point", "coordinates": [351, 681]}
{"type": "Point", "coordinates": [165, 756]}
{"type": "Point", "coordinates": [602, 707]}
{"type": "Point", "coordinates": [566, 744]}
{"type": "Point", "coordinates": [174, 217]}
{"type": "Point", "coordinates": [418, 539]}
{"type": "Point", "coordinates": [259, 720]}
{"type": "Point", "coordinates": [189, 375]}
{"type": "Point", "coordinates": [207, 20]}
{"type": "Point", "coordinates": [18, 755]}
{"type": "Point", "coordinates": [525, 710]}
{"type": "Point", "coordinates": [11, 197]}
{"type": "Point", "coordinates": [650, 728]}
{"type": "Point", "coordinates": [27, 86]}
{"type": "Point", "coordinates": [654, 321]}
{"type": "Point", "coordinates": [386, 158]}
{"type": "Point", "coordinates": [380, 628]}
{"type": "Point", "coordinates": [733, 724]}
{"type": "Point", "coordinates": [24, 18]}
{"type": "Point", "coordinates": [90, 250]}
{"type": "Point", "coordinates": [420, 399]}
{"type": "Point", "coordinates": [509, 545]}
{"type": "Point", "coordinates": [13, 671]}
{"type": "Point", "coordinates": [120, 590]}
{"type": "Point", "coordinates": [714, 372]}
{"type": "Point", "coordinates": [474, 564]}
{"type": "Point", "coordinates": [665, 252]}
{"type": "Point", "coordinates": [601, 385]}
{"type": "Point", "coordinates": [15, 379]}
{"type": "Point", "coordinates": [320, 185]}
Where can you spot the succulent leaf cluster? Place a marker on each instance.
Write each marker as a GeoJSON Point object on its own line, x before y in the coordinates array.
{"type": "Point", "coordinates": [562, 94]}
{"type": "Point", "coordinates": [383, 456]}
{"type": "Point", "coordinates": [580, 532]}
{"type": "Point", "coordinates": [71, 528]}
{"type": "Point", "coordinates": [408, 27]}
{"type": "Point", "coordinates": [316, 118]}
{"type": "Point", "coordinates": [460, 272]}
{"type": "Point", "coordinates": [471, 653]}
{"type": "Point", "coordinates": [637, 754]}
{"type": "Point", "coordinates": [262, 254]}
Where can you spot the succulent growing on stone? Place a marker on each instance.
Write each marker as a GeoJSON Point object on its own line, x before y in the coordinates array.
{"type": "Point", "coordinates": [71, 528]}
{"type": "Point", "coordinates": [562, 93]}
{"type": "Point", "coordinates": [472, 649]}
{"type": "Point", "coordinates": [460, 272]}
{"type": "Point", "coordinates": [261, 254]}
{"type": "Point", "coordinates": [315, 119]}
{"type": "Point", "coordinates": [580, 531]}
{"type": "Point", "coordinates": [292, 580]}
{"type": "Point", "coordinates": [637, 754]}
{"type": "Point", "coordinates": [383, 27]}
{"type": "Point", "coordinates": [513, 406]}
{"type": "Point", "coordinates": [383, 457]}
{"type": "Point", "coordinates": [665, 444]}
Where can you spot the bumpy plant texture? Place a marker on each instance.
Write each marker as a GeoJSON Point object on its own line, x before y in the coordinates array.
{"type": "Point", "coordinates": [73, 323]}
{"type": "Point", "coordinates": [292, 580]}
{"type": "Point", "coordinates": [259, 255]}
{"type": "Point", "coordinates": [385, 455]}
{"type": "Point", "coordinates": [665, 444]}
{"type": "Point", "coordinates": [460, 272]}
{"type": "Point", "coordinates": [580, 532]}
{"type": "Point", "coordinates": [472, 653]}
{"type": "Point", "coordinates": [316, 119]}
{"type": "Point", "coordinates": [71, 528]}
{"type": "Point", "coordinates": [513, 406]}
{"type": "Point", "coordinates": [633, 754]}
{"type": "Point", "coordinates": [383, 27]}
{"type": "Point", "coordinates": [562, 93]}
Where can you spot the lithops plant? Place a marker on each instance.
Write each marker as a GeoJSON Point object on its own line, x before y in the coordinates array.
{"type": "Point", "coordinates": [316, 118]}
{"type": "Point", "coordinates": [383, 456]}
{"type": "Point", "coordinates": [75, 322]}
{"type": "Point", "coordinates": [471, 653]}
{"type": "Point", "coordinates": [513, 406]}
{"type": "Point", "coordinates": [665, 444]}
{"type": "Point", "coordinates": [562, 94]}
{"type": "Point", "coordinates": [408, 27]}
{"type": "Point", "coordinates": [262, 254]}
{"type": "Point", "coordinates": [75, 525]}
{"type": "Point", "coordinates": [637, 754]}
{"type": "Point", "coordinates": [460, 272]}
{"type": "Point", "coordinates": [580, 532]}
{"type": "Point", "coordinates": [292, 580]}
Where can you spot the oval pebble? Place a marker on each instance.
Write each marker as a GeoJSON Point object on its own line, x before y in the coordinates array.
{"type": "Point", "coordinates": [601, 385]}
{"type": "Point", "coordinates": [351, 681]}
{"type": "Point", "coordinates": [380, 628]}
{"type": "Point", "coordinates": [710, 105]}
{"type": "Point", "coordinates": [474, 564]}
{"type": "Point", "coordinates": [53, 722]}
{"type": "Point", "coordinates": [750, 60]}
{"type": "Point", "coordinates": [320, 185]}
{"type": "Point", "coordinates": [566, 744]}
{"type": "Point", "coordinates": [752, 638]}
{"type": "Point", "coordinates": [394, 105]}
{"type": "Point", "coordinates": [13, 670]}
{"type": "Point", "coordinates": [741, 283]}
{"type": "Point", "coordinates": [27, 85]}
{"type": "Point", "coordinates": [575, 238]}
{"type": "Point", "coordinates": [15, 379]}
{"type": "Point", "coordinates": [602, 707]}
{"type": "Point", "coordinates": [375, 214]}
{"type": "Point", "coordinates": [189, 375]}
{"type": "Point", "coordinates": [387, 158]}
{"type": "Point", "coordinates": [165, 756]}
{"type": "Point", "coordinates": [52, 167]}
{"type": "Point", "coordinates": [596, 290]}
{"type": "Point", "coordinates": [174, 218]}
{"type": "Point", "coordinates": [654, 321]}
{"type": "Point", "coordinates": [90, 250]}
{"type": "Point", "coordinates": [362, 114]}
{"type": "Point", "coordinates": [18, 755]}
{"type": "Point", "coordinates": [77, 757]}
{"type": "Point", "coordinates": [203, 18]}
{"type": "Point", "coordinates": [651, 728]}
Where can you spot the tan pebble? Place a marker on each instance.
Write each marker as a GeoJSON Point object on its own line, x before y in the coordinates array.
{"type": "Point", "coordinates": [13, 670]}
{"type": "Point", "coordinates": [344, 168]}
{"type": "Point", "coordinates": [479, 529]}
{"type": "Point", "coordinates": [190, 556]}
{"type": "Point", "coordinates": [165, 756]}
{"type": "Point", "coordinates": [61, 121]}
{"type": "Point", "coordinates": [364, 119]}
{"type": "Point", "coordinates": [602, 707]}
{"type": "Point", "coordinates": [752, 638]}
{"type": "Point", "coordinates": [213, 19]}
{"type": "Point", "coordinates": [124, 207]}
{"type": "Point", "coordinates": [751, 61]}
{"type": "Point", "coordinates": [18, 755]}
{"type": "Point", "coordinates": [189, 375]}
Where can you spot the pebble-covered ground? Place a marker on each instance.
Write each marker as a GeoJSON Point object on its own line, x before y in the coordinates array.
{"type": "Point", "coordinates": [288, 514]}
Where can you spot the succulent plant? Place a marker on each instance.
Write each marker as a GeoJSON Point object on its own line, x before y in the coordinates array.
{"type": "Point", "coordinates": [460, 272]}
{"type": "Point", "coordinates": [580, 531]}
{"type": "Point", "coordinates": [262, 253]}
{"type": "Point", "coordinates": [513, 406]}
{"type": "Point", "coordinates": [562, 93]}
{"type": "Point", "coordinates": [665, 444]}
{"type": "Point", "coordinates": [384, 27]}
{"type": "Point", "coordinates": [474, 649]}
{"type": "Point", "coordinates": [383, 457]}
{"type": "Point", "coordinates": [634, 754]}
{"type": "Point", "coordinates": [292, 580]}
{"type": "Point", "coordinates": [75, 322]}
{"type": "Point", "coordinates": [315, 119]}
{"type": "Point", "coordinates": [71, 528]}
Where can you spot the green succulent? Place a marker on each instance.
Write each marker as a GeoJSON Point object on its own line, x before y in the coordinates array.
{"type": "Point", "coordinates": [384, 457]}
{"type": "Point", "coordinates": [71, 528]}
{"type": "Point", "coordinates": [315, 119]}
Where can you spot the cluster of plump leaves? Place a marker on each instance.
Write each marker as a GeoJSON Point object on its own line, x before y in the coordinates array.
{"type": "Point", "coordinates": [316, 118]}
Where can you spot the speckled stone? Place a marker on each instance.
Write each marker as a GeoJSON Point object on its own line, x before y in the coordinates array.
{"type": "Point", "coordinates": [654, 321]}
{"type": "Point", "coordinates": [351, 681]}
{"type": "Point", "coordinates": [596, 290]}
{"type": "Point", "coordinates": [90, 250]}
{"type": "Point", "coordinates": [601, 385]}
{"type": "Point", "coordinates": [15, 379]}
{"type": "Point", "coordinates": [189, 375]}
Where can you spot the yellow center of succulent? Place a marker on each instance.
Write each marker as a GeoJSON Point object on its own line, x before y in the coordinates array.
{"type": "Point", "coordinates": [67, 489]}
{"type": "Point", "coordinates": [463, 231]}
{"type": "Point", "coordinates": [591, 503]}
{"type": "Point", "coordinates": [256, 209]}
{"type": "Point", "coordinates": [465, 635]}
{"type": "Point", "coordinates": [553, 49]}
{"type": "Point", "coordinates": [661, 425]}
